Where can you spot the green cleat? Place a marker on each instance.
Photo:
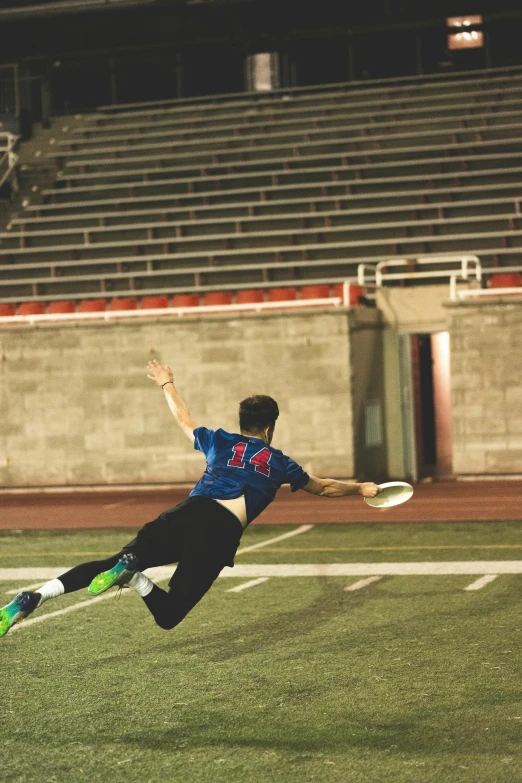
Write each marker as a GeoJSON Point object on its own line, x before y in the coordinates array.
{"type": "Point", "coordinates": [19, 608]}
{"type": "Point", "coordinates": [118, 575]}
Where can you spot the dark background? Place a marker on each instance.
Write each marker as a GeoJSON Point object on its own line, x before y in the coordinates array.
{"type": "Point", "coordinates": [119, 51]}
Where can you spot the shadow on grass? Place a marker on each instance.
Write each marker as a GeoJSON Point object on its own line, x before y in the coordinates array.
{"type": "Point", "coordinates": [331, 603]}
{"type": "Point", "coordinates": [260, 634]}
{"type": "Point", "coordinates": [426, 731]}
{"type": "Point", "coordinates": [472, 721]}
{"type": "Point", "coordinates": [429, 731]}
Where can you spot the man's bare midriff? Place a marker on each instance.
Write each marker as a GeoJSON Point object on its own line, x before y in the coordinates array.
{"type": "Point", "coordinates": [237, 506]}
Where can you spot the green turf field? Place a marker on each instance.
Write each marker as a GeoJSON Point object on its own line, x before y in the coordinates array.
{"type": "Point", "coordinates": [410, 678]}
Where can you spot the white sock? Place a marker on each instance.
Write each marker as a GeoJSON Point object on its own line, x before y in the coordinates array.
{"type": "Point", "coordinates": [51, 589]}
{"type": "Point", "coordinates": [141, 583]}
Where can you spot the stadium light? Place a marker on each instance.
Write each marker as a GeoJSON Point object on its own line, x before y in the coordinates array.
{"type": "Point", "coordinates": [460, 36]}
{"type": "Point", "coordinates": [464, 21]}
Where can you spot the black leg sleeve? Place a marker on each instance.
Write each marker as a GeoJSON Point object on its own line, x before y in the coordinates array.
{"type": "Point", "coordinates": [82, 575]}
{"type": "Point", "coordinates": [188, 585]}
{"type": "Point", "coordinates": [169, 609]}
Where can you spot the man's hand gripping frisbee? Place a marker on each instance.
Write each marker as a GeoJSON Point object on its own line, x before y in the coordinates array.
{"type": "Point", "coordinates": [368, 489]}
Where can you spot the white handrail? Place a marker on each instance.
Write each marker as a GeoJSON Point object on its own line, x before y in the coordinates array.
{"type": "Point", "coordinates": [464, 260]}
{"type": "Point", "coordinates": [467, 293]}
{"type": "Point", "coordinates": [361, 274]}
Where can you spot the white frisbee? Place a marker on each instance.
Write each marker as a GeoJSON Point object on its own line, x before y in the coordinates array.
{"type": "Point", "coordinates": [395, 492]}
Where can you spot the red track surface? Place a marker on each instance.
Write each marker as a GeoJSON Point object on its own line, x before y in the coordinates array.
{"type": "Point", "coordinates": [451, 501]}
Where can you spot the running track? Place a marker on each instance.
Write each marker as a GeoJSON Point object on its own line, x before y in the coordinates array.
{"type": "Point", "coordinates": [443, 502]}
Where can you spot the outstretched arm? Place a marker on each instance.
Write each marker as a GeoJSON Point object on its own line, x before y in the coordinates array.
{"type": "Point", "coordinates": [162, 375]}
{"type": "Point", "coordinates": [330, 488]}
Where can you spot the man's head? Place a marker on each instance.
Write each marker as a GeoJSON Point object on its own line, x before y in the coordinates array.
{"type": "Point", "coordinates": [257, 416]}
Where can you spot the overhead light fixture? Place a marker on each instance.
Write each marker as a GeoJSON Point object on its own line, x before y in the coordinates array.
{"type": "Point", "coordinates": [462, 32]}
{"type": "Point", "coordinates": [464, 21]}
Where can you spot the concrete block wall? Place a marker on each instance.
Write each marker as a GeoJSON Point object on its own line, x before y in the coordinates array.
{"type": "Point", "coordinates": [78, 408]}
{"type": "Point", "coordinates": [367, 368]}
{"type": "Point", "coordinates": [486, 380]}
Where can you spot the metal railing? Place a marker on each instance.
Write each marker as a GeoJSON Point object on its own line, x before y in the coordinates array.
{"type": "Point", "coordinates": [458, 295]}
{"type": "Point", "coordinates": [375, 276]}
{"type": "Point", "coordinates": [8, 159]}
{"type": "Point", "coordinates": [469, 269]}
{"type": "Point", "coordinates": [382, 274]}
{"type": "Point", "coordinates": [486, 292]}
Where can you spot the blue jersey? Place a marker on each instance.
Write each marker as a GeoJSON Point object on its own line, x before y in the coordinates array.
{"type": "Point", "coordinates": [242, 465]}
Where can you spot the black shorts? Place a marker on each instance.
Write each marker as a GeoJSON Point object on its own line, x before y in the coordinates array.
{"type": "Point", "coordinates": [197, 531]}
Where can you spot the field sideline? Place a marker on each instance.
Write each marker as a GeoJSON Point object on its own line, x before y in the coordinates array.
{"type": "Point", "coordinates": [329, 653]}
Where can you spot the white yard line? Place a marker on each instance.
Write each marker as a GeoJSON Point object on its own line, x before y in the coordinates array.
{"type": "Point", "coordinates": [363, 583]}
{"type": "Point", "coordinates": [73, 608]}
{"type": "Point", "coordinates": [301, 529]}
{"type": "Point", "coordinates": [450, 568]}
{"type": "Point", "coordinates": [31, 574]}
{"type": "Point", "coordinates": [484, 580]}
{"type": "Point", "coordinates": [261, 573]}
{"type": "Point", "coordinates": [246, 585]}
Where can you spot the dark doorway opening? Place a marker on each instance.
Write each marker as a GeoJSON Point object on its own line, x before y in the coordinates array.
{"type": "Point", "coordinates": [423, 404]}
{"type": "Point", "coordinates": [430, 411]}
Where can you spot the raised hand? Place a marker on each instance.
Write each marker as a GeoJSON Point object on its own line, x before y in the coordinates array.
{"type": "Point", "coordinates": [159, 373]}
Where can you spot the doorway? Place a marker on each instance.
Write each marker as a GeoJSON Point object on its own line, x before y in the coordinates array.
{"type": "Point", "coordinates": [424, 361]}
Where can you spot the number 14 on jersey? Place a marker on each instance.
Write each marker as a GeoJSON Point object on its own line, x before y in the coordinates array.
{"type": "Point", "coordinates": [260, 459]}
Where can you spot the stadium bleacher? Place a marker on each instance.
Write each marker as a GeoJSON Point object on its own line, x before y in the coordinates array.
{"type": "Point", "coordinates": [228, 196]}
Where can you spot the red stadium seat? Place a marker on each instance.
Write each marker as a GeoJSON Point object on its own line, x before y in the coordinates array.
{"type": "Point", "coordinates": [123, 304]}
{"type": "Point", "coordinates": [185, 300]}
{"type": "Point", "coordinates": [506, 280]}
{"type": "Point", "coordinates": [217, 298]}
{"type": "Point", "coordinates": [282, 294]}
{"type": "Point", "coordinates": [31, 308]}
{"type": "Point", "coordinates": [153, 302]}
{"type": "Point", "coordinates": [315, 292]}
{"type": "Point", "coordinates": [355, 292]}
{"type": "Point", "coordinates": [250, 295]}
{"type": "Point", "coordinates": [61, 307]}
{"type": "Point", "coordinates": [7, 309]}
{"type": "Point", "coordinates": [92, 306]}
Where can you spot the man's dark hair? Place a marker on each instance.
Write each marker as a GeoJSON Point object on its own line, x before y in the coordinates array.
{"type": "Point", "coordinates": [257, 412]}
